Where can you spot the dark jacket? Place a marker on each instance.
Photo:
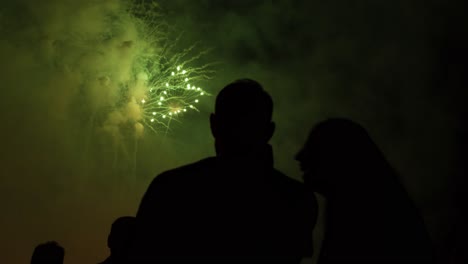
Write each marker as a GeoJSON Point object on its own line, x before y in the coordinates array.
{"type": "Point", "coordinates": [218, 209]}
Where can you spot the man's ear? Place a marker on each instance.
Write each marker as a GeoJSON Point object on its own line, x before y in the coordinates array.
{"type": "Point", "coordinates": [213, 125]}
{"type": "Point", "coordinates": [270, 130]}
{"type": "Point", "coordinates": [109, 243]}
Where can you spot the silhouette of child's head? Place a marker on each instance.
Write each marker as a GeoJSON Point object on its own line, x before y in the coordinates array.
{"type": "Point", "coordinates": [48, 253]}
{"type": "Point", "coordinates": [242, 118]}
{"type": "Point", "coordinates": [121, 232]}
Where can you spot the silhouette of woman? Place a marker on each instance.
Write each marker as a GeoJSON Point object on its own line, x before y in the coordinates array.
{"type": "Point", "coordinates": [369, 215]}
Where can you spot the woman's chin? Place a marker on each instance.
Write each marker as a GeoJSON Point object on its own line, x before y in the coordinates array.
{"type": "Point", "coordinates": [316, 185]}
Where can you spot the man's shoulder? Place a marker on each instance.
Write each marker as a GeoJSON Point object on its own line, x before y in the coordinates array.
{"type": "Point", "coordinates": [281, 178]}
{"type": "Point", "coordinates": [186, 171]}
{"type": "Point", "coordinates": [292, 188]}
{"type": "Point", "coordinates": [180, 179]}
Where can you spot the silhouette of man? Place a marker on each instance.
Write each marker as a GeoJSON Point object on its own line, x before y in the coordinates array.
{"type": "Point", "coordinates": [234, 206]}
{"type": "Point", "coordinates": [370, 217]}
{"type": "Point", "coordinates": [48, 253]}
{"type": "Point", "coordinates": [121, 233]}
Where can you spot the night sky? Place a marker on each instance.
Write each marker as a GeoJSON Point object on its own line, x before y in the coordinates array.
{"type": "Point", "coordinates": [397, 67]}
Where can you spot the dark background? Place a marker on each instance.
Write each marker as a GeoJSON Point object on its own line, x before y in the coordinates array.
{"type": "Point", "coordinates": [397, 67]}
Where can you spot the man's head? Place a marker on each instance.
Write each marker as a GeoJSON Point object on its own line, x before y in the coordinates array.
{"type": "Point", "coordinates": [50, 252]}
{"type": "Point", "coordinates": [243, 118]}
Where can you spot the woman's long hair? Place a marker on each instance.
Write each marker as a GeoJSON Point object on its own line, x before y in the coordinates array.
{"type": "Point", "coordinates": [367, 202]}
{"type": "Point", "coordinates": [344, 151]}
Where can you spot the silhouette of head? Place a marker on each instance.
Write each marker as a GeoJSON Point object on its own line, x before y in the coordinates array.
{"type": "Point", "coordinates": [48, 253]}
{"type": "Point", "coordinates": [121, 234]}
{"type": "Point", "coordinates": [242, 118]}
{"type": "Point", "coordinates": [335, 149]}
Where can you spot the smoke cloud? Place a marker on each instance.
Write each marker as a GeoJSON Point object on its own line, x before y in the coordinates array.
{"type": "Point", "coordinates": [76, 154]}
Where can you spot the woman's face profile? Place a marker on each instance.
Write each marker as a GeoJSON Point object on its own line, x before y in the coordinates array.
{"type": "Point", "coordinates": [311, 161]}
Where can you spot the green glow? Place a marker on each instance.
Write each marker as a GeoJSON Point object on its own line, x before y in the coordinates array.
{"type": "Point", "coordinates": [168, 97]}
{"type": "Point", "coordinates": [163, 72]}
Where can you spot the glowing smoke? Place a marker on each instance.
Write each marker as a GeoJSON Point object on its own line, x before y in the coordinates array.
{"type": "Point", "coordinates": [110, 58]}
{"type": "Point", "coordinates": [73, 77]}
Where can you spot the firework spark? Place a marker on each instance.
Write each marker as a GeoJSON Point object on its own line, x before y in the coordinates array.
{"type": "Point", "coordinates": [169, 83]}
{"type": "Point", "coordinates": [172, 92]}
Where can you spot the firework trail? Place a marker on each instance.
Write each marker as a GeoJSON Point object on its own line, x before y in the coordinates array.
{"type": "Point", "coordinates": [107, 70]}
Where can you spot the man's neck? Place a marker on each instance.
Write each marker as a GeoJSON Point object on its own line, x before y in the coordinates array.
{"type": "Point", "coordinates": [256, 156]}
